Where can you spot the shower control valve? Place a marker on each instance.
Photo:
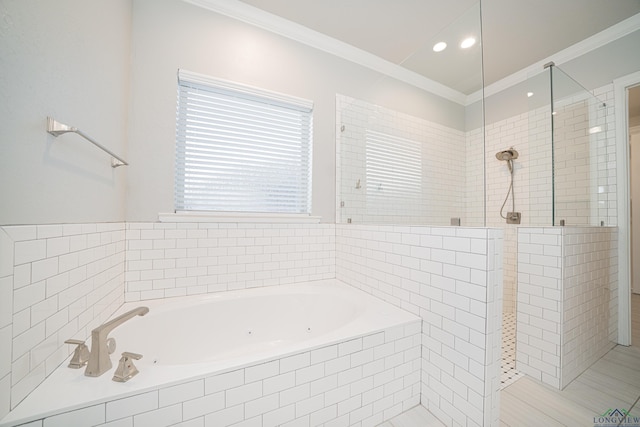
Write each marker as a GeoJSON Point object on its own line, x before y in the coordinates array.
{"type": "Point", "coordinates": [513, 217]}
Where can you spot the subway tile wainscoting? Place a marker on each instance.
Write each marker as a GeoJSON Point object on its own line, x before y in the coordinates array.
{"type": "Point", "coordinates": [613, 382]}
{"type": "Point", "coordinates": [174, 259]}
{"type": "Point", "coordinates": [56, 282]}
{"type": "Point", "coordinates": [567, 300]}
{"type": "Point", "coordinates": [451, 277]}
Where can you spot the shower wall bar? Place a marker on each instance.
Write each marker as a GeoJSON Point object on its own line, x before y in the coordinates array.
{"type": "Point", "coordinates": [56, 129]}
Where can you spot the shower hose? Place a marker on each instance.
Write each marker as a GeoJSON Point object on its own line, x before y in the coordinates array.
{"type": "Point", "coordinates": [510, 190]}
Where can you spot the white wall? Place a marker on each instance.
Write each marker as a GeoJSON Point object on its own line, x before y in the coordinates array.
{"type": "Point", "coordinates": [170, 34]}
{"type": "Point", "coordinates": [72, 60]}
{"type": "Point", "coordinates": [68, 59]}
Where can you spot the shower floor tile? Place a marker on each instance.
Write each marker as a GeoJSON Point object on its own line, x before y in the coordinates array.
{"type": "Point", "coordinates": [509, 373]}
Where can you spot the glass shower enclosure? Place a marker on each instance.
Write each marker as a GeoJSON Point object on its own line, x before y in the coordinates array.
{"type": "Point", "coordinates": [571, 177]}
{"type": "Point", "coordinates": [411, 157]}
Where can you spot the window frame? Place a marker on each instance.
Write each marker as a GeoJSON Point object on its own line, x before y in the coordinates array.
{"type": "Point", "coordinates": [190, 82]}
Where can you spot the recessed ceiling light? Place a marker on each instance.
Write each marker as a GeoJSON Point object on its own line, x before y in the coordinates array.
{"type": "Point", "coordinates": [439, 47]}
{"type": "Point", "coordinates": [468, 42]}
{"type": "Point", "coordinates": [529, 94]}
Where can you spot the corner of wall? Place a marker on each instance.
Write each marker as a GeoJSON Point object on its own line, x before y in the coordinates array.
{"type": "Point", "coordinates": [6, 319]}
{"type": "Point", "coordinates": [56, 282]}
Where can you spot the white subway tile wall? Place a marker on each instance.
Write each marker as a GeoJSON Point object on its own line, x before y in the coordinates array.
{"type": "Point", "coordinates": [59, 281]}
{"type": "Point", "coordinates": [584, 141]}
{"type": "Point", "coordinates": [176, 259]}
{"type": "Point", "coordinates": [539, 318]}
{"type": "Point", "coordinates": [589, 283]}
{"type": "Point", "coordinates": [451, 277]}
{"type": "Point", "coordinates": [567, 280]}
{"type": "Point", "coordinates": [606, 159]}
{"type": "Point", "coordinates": [56, 282]}
{"type": "Point", "coordinates": [474, 194]}
{"type": "Point", "coordinates": [442, 185]}
{"type": "Point", "coordinates": [530, 135]}
{"type": "Point", "coordinates": [575, 148]}
{"type": "Point", "coordinates": [438, 273]}
{"type": "Point", "coordinates": [361, 382]}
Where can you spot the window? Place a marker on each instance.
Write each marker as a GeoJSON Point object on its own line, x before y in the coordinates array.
{"type": "Point", "coordinates": [241, 148]}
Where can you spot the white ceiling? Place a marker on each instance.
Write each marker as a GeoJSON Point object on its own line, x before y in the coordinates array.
{"type": "Point", "coordinates": [515, 33]}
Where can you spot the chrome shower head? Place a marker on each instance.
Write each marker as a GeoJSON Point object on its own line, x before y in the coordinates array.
{"type": "Point", "coordinates": [510, 154]}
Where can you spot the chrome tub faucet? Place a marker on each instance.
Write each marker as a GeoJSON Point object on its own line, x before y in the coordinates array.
{"type": "Point", "coordinates": [102, 346]}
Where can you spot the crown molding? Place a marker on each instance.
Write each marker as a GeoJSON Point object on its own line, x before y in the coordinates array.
{"type": "Point", "coordinates": [257, 17]}
{"type": "Point", "coordinates": [283, 27]}
{"type": "Point", "coordinates": [596, 41]}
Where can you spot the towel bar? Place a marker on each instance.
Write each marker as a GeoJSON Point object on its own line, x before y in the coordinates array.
{"type": "Point", "coordinates": [56, 129]}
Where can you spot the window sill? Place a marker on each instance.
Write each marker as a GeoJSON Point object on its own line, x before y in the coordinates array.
{"type": "Point", "coordinates": [240, 217]}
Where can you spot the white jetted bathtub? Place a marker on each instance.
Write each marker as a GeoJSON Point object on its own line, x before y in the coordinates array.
{"type": "Point", "coordinates": [280, 344]}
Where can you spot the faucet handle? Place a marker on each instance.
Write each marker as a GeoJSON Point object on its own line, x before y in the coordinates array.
{"type": "Point", "coordinates": [126, 369]}
{"type": "Point", "coordinates": [80, 354]}
{"type": "Point", "coordinates": [134, 356]}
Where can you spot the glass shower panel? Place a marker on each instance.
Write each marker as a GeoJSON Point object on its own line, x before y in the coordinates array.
{"type": "Point", "coordinates": [414, 157]}
{"type": "Point", "coordinates": [578, 120]}
{"type": "Point", "coordinates": [538, 158]}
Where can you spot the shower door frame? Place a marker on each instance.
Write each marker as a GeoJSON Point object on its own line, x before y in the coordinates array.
{"type": "Point", "coordinates": [621, 86]}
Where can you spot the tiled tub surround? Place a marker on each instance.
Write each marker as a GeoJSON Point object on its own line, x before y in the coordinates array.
{"type": "Point", "coordinates": [61, 281]}
{"type": "Point", "coordinates": [175, 259]}
{"type": "Point", "coordinates": [452, 278]}
{"type": "Point", "coordinates": [365, 369]}
{"type": "Point", "coordinates": [170, 259]}
{"type": "Point", "coordinates": [56, 282]}
{"type": "Point", "coordinates": [567, 299]}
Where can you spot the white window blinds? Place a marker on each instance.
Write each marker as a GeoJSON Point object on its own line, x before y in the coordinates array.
{"type": "Point", "coordinates": [241, 148]}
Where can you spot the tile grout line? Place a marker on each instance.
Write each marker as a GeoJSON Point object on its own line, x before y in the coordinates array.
{"type": "Point", "coordinates": [629, 412]}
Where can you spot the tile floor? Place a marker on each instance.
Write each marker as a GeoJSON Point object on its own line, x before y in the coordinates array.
{"type": "Point", "coordinates": [611, 383]}
{"type": "Point", "coordinates": [509, 373]}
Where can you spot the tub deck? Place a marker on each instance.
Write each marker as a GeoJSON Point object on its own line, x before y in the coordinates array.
{"type": "Point", "coordinates": [378, 346]}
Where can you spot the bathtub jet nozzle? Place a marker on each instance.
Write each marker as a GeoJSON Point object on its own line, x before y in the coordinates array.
{"type": "Point", "coordinates": [102, 346]}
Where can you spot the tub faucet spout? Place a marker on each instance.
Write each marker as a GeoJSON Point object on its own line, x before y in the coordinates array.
{"type": "Point", "coordinates": [102, 346]}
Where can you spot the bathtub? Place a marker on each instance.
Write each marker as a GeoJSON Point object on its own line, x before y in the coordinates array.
{"type": "Point", "coordinates": [317, 337]}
